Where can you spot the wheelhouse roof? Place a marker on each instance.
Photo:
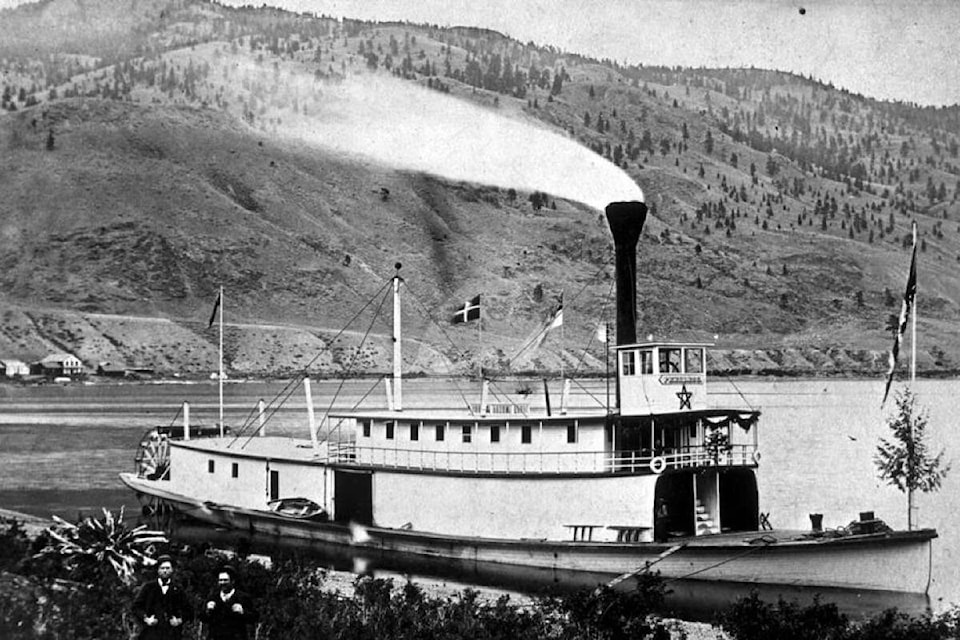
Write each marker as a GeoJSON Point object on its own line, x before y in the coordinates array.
{"type": "Point", "coordinates": [649, 345]}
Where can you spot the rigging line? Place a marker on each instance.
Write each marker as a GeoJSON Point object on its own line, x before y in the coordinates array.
{"type": "Point", "coordinates": [281, 397]}
{"type": "Point", "coordinates": [532, 341]}
{"type": "Point", "coordinates": [353, 408]}
{"type": "Point", "coordinates": [603, 312]}
{"type": "Point", "coordinates": [306, 375]}
{"type": "Point", "coordinates": [423, 310]}
{"type": "Point", "coordinates": [590, 394]}
{"type": "Point", "coordinates": [506, 394]}
{"type": "Point", "coordinates": [353, 359]}
{"type": "Point", "coordinates": [174, 419]}
{"type": "Point", "coordinates": [752, 549]}
{"type": "Point", "coordinates": [740, 393]}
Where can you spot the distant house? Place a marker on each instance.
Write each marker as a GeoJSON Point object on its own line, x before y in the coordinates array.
{"type": "Point", "coordinates": [60, 364]}
{"type": "Point", "coordinates": [111, 370]}
{"type": "Point", "coordinates": [11, 368]}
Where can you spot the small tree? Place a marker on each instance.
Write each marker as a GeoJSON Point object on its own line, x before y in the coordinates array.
{"type": "Point", "coordinates": [904, 461]}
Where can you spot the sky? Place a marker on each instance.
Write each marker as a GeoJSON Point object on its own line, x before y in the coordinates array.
{"type": "Point", "coordinates": [888, 49]}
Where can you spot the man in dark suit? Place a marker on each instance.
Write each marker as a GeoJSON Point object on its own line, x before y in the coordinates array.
{"type": "Point", "coordinates": [161, 607]}
{"type": "Point", "coordinates": [228, 612]}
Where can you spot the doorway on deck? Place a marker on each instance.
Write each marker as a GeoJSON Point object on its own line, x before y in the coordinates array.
{"type": "Point", "coordinates": [674, 492]}
{"type": "Point", "coordinates": [353, 496]}
{"type": "Point", "coordinates": [739, 502]}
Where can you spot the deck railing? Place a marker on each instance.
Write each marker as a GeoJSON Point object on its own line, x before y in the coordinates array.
{"type": "Point", "coordinates": [576, 462]}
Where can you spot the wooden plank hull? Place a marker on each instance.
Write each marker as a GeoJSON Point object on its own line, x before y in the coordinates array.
{"type": "Point", "coordinates": [896, 562]}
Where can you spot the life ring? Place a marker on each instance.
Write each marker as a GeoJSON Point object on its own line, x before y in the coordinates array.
{"type": "Point", "coordinates": [658, 464]}
{"type": "Point", "coordinates": [756, 457]}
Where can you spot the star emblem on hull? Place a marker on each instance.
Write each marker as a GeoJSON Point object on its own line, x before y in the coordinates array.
{"type": "Point", "coordinates": [684, 396]}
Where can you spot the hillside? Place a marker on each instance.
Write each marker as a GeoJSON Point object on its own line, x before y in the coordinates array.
{"type": "Point", "coordinates": [196, 153]}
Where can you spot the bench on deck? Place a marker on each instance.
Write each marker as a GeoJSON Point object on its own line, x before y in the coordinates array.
{"type": "Point", "coordinates": [629, 533]}
{"type": "Point", "coordinates": [582, 532]}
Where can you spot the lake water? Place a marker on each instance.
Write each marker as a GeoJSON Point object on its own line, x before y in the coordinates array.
{"type": "Point", "coordinates": [61, 447]}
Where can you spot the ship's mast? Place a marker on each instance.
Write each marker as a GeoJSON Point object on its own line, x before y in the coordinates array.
{"type": "Point", "coordinates": [397, 377]}
{"type": "Point", "coordinates": [220, 373]}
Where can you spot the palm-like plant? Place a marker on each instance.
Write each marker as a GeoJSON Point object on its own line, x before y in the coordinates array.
{"type": "Point", "coordinates": [98, 543]}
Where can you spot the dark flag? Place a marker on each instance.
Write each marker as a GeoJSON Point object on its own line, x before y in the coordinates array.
{"type": "Point", "coordinates": [469, 311]}
{"type": "Point", "coordinates": [216, 307]}
{"type": "Point", "coordinates": [909, 297]}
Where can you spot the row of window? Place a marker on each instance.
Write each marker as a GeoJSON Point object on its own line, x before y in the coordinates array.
{"type": "Point", "coordinates": [466, 432]}
{"type": "Point", "coordinates": [671, 360]}
{"type": "Point", "coordinates": [234, 468]}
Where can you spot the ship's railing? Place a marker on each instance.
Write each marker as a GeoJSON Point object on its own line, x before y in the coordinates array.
{"type": "Point", "coordinates": [585, 462]}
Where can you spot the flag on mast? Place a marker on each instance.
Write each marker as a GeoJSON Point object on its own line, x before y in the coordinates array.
{"type": "Point", "coordinates": [555, 321]}
{"type": "Point", "coordinates": [469, 311]}
{"type": "Point", "coordinates": [558, 314]}
{"type": "Point", "coordinates": [213, 315]}
{"type": "Point", "coordinates": [906, 307]}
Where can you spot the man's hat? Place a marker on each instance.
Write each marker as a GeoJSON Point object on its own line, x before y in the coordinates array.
{"type": "Point", "coordinates": [229, 570]}
{"type": "Point", "coordinates": [164, 558]}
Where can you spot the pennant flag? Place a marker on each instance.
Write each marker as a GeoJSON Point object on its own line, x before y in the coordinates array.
{"type": "Point", "coordinates": [469, 311]}
{"type": "Point", "coordinates": [555, 321]}
{"type": "Point", "coordinates": [557, 315]}
{"type": "Point", "coordinates": [216, 307]}
{"type": "Point", "coordinates": [909, 297]}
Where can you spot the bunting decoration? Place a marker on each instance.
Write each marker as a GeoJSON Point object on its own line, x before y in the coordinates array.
{"type": "Point", "coordinates": [906, 308]}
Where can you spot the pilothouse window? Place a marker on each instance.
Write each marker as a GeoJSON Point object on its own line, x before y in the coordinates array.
{"type": "Point", "coordinates": [646, 361]}
{"type": "Point", "coordinates": [669, 360]}
{"type": "Point", "coordinates": [694, 360]}
{"type": "Point", "coordinates": [389, 426]}
{"type": "Point", "coordinates": [629, 359]}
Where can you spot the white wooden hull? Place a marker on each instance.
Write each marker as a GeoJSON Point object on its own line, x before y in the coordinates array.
{"type": "Point", "coordinates": [891, 562]}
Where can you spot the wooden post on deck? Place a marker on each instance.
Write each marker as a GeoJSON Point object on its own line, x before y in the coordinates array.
{"type": "Point", "coordinates": [186, 420]}
{"type": "Point", "coordinates": [311, 420]}
{"type": "Point", "coordinates": [263, 418]}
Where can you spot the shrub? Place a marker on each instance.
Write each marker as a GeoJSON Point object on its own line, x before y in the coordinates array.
{"type": "Point", "coordinates": [751, 618]}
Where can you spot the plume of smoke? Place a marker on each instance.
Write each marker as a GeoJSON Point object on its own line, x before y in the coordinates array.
{"type": "Point", "coordinates": [405, 126]}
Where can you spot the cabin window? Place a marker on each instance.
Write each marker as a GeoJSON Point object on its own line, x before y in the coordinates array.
{"type": "Point", "coordinates": [439, 432]}
{"type": "Point", "coordinates": [669, 360]}
{"type": "Point", "coordinates": [467, 433]}
{"type": "Point", "coordinates": [210, 466]}
{"type": "Point", "coordinates": [235, 470]}
{"type": "Point", "coordinates": [494, 433]}
{"type": "Point", "coordinates": [693, 430]}
{"type": "Point", "coordinates": [571, 433]}
{"type": "Point", "coordinates": [414, 431]}
{"type": "Point", "coordinates": [389, 425]}
{"type": "Point", "coordinates": [526, 434]}
{"type": "Point", "coordinates": [694, 361]}
{"type": "Point", "coordinates": [646, 361]}
{"type": "Point", "coordinates": [629, 360]}
{"type": "Point", "coordinates": [366, 428]}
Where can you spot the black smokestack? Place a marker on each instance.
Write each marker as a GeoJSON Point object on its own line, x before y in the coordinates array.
{"type": "Point", "coordinates": [626, 222]}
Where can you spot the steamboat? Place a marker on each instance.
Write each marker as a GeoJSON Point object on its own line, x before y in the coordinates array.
{"type": "Point", "coordinates": [655, 480]}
